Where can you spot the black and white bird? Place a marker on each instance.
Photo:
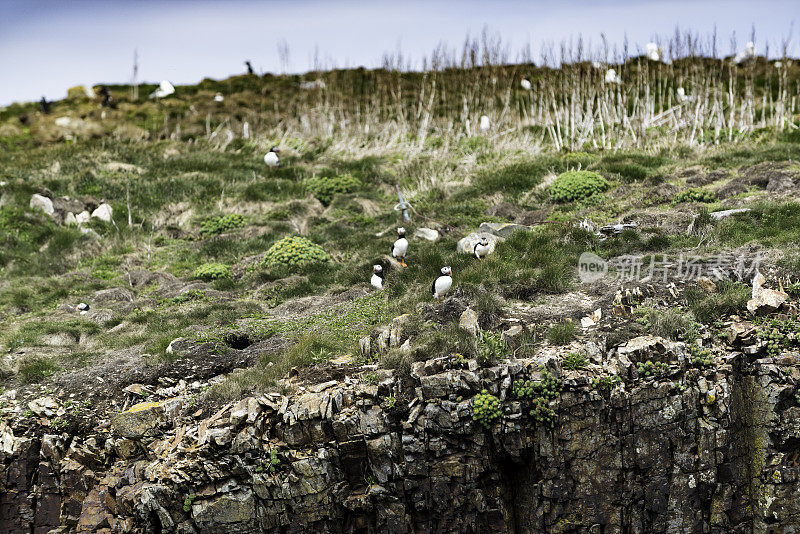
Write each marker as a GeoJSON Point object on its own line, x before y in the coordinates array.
{"type": "Point", "coordinates": [400, 247]}
{"type": "Point", "coordinates": [442, 284]}
{"type": "Point", "coordinates": [377, 277]}
{"type": "Point", "coordinates": [271, 158]}
{"type": "Point", "coordinates": [481, 248]}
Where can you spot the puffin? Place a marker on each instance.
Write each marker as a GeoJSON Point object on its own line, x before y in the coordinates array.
{"type": "Point", "coordinates": [400, 247]}
{"type": "Point", "coordinates": [271, 158]}
{"type": "Point", "coordinates": [377, 277]}
{"type": "Point", "coordinates": [485, 124]}
{"type": "Point", "coordinates": [481, 248]}
{"type": "Point", "coordinates": [442, 284]}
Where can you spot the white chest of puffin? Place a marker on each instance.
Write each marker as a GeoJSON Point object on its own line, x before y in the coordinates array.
{"type": "Point", "coordinates": [442, 284]}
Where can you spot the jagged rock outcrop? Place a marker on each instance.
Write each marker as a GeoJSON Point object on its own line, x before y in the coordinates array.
{"type": "Point", "coordinates": [697, 450]}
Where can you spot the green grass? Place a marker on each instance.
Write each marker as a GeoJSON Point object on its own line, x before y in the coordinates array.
{"type": "Point", "coordinates": [729, 298]}
{"type": "Point", "coordinates": [561, 333]}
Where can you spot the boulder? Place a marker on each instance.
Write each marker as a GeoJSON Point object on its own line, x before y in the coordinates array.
{"type": "Point", "coordinates": [467, 244]}
{"type": "Point", "coordinates": [44, 406]}
{"type": "Point", "coordinates": [469, 321]}
{"type": "Point", "coordinates": [179, 346]}
{"type": "Point", "coordinates": [765, 300]}
{"type": "Point", "coordinates": [83, 217]}
{"type": "Point", "coordinates": [43, 203]}
{"type": "Point", "coordinates": [141, 420]}
{"type": "Point", "coordinates": [426, 233]}
{"type": "Point", "coordinates": [104, 212]}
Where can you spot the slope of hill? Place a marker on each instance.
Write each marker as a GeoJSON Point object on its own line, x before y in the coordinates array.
{"type": "Point", "coordinates": [609, 365]}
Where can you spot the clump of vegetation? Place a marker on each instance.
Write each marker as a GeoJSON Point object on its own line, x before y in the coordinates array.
{"type": "Point", "coordinates": [561, 333]}
{"type": "Point", "coordinates": [212, 271]}
{"type": "Point", "coordinates": [548, 387]}
{"type": "Point", "coordinates": [36, 369]}
{"type": "Point", "coordinates": [577, 185]}
{"type": "Point", "coordinates": [539, 393]}
{"type": "Point", "coordinates": [730, 298]}
{"type": "Point", "coordinates": [187, 502]}
{"type": "Point", "coordinates": [492, 347]}
{"type": "Point", "coordinates": [574, 361]}
{"type": "Point", "coordinates": [673, 323]}
{"type": "Point", "coordinates": [486, 409]}
{"type": "Point", "coordinates": [650, 369]}
{"type": "Point", "coordinates": [779, 334]}
{"type": "Point", "coordinates": [695, 195]}
{"type": "Point", "coordinates": [295, 251]}
{"type": "Point", "coordinates": [222, 224]}
{"type": "Point", "coordinates": [327, 187]}
{"type": "Point", "coordinates": [700, 357]}
{"type": "Point", "coordinates": [606, 383]}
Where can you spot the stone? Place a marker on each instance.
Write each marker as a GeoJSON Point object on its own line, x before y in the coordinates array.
{"type": "Point", "coordinates": [180, 346]}
{"type": "Point", "coordinates": [706, 284]}
{"type": "Point", "coordinates": [469, 321]}
{"type": "Point", "coordinates": [104, 212]}
{"type": "Point", "coordinates": [592, 319]}
{"type": "Point", "coordinates": [83, 217]}
{"type": "Point", "coordinates": [718, 215]}
{"type": "Point", "coordinates": [396, 333]}
{"type": "Point", "coordinates": [70, 220]}
{"type": "Point", "coordinates": [765, 300]}
{"type": "Point", "coordinates": [230, 512]}
{"type": "Point", "coordinates": [502, 229]}
{"type": "Point", "coordinates": [43, 406]}
{"type": "Point", "coordinates": [512, 335]}
{"type": "Point", "coordinates": [139, 421]}
{"type": "Point", "coordinates": [43, 203]}
{"type": "Point", "coordinates": [466, 245]}
{"type": "Point", "coordinates": [427, 234]}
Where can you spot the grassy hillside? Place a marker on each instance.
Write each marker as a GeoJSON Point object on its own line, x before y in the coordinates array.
{"type": "Point", "coordinates": [195, 210]}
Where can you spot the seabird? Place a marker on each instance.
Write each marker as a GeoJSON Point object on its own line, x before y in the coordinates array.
{"type": "Point", "coordinates": [400, 247]}
{"type": "Point", "coordinates": [164, 89]}
{"type": "Point", "coordinates": [526, 84]}
{"type": "Point", "coordinates": [442, 284]}
{"type": "Point", "coordinates": [481, 248]}
{"type": "Point", "coordinates": [271, 158]}
{"type": "Point", "coordinates": [377, 277]}
{"type": "Point", "coordinates": [218, 97]}
{"type": "Point", "coordinates": [612, 76]}
{"type": "Point", "coordinates": [485, 124]}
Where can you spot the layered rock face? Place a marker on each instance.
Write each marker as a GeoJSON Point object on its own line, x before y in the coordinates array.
{"type": "Point", "coordinates": [714, 449]}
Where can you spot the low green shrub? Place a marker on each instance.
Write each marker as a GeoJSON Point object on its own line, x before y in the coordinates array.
{"type": "Point", "coordinates": [606, 382]}
{"type": "Point", "coordinates": [295, 251]}
{"type": "Point", "coordinates": [650, 369]}
{"type": "Point", "coordinates": [695, 195]}
{"type": "Point", "coordinates": [574, 361]}
{"type": "Point", "coordinates": [327, 187]}
{"type": "Point", "coordinates": [577, 185]}
{"type": "Point", "coordinates": [486, 409]}
{"type": "Point", "coordinates": [222, 224]}
{"type": "Point", "coordinates": [212, 271]}
{"type": "Point", "coordinates": [492, 347]}
{"type": "Point", "coordinates": [700, 357]}
{"type": "Point", "coordinates": [561, 333]}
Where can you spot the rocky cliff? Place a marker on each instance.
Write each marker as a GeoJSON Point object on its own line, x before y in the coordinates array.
{"type": "Point", "coordinates": [695, 448]}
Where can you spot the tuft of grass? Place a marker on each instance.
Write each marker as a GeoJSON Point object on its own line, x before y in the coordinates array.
{"type": "Point", "coordinates": [574, 361]}
{"type": "Point", "coordinates": [671, 324]}
{"type": "Point", "coordinates": [561, 333]}
{"type": "Point", "coordinates": [36, 369]}
{"type": "Point", "coordinates": [730, 298]}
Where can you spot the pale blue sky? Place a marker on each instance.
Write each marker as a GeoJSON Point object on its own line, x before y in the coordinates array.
{"type": "Point", "coordinates": [48, 46]}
